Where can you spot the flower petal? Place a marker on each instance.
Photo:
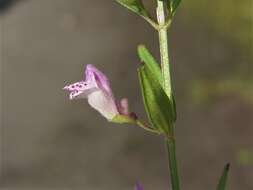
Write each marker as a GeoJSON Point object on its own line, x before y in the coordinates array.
{"type": "Point", "coordinates": [96, 88]}
{"type": "Point", "coordinates": [103, 103]}
{"type": "Point", "coordinates": [75, 94]}
{"type": "Point", "coordinates": [80, 89]}
{"type": "Point", "coordinates": [123, 106]}
{"type": "Point", "coordinates": [92, 73]}
{"type": "Point", "coordinates": [74, 86]}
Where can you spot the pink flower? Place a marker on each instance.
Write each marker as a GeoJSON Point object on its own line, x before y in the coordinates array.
{"type": "Point", "coordinates": [96, 88]}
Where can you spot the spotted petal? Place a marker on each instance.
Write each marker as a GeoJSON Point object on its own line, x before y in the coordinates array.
{"type": "Point", "coordinates": [96, 88]}
{"type": "Point", "coordinates": [80, 89]}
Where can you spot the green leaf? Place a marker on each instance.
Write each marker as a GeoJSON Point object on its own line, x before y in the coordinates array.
{"type": "Point", "coordinates": [174, 5]}
{"type": "Point", "coordinates": [150, 61]}
{"type": "Point", "coordinates": [157, 104]}
{"type": "Point", "coordinates": [155, 71]}
{"type": "Point", "coordinates": [134, 5]}
{"type": "Point", "coordinates": [223, 179]}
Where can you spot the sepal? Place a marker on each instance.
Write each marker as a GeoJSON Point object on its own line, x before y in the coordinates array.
{"type": "Point", "coordinates": [123, 119]}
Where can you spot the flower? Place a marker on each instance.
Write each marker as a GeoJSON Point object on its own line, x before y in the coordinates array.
{"type": "Point", "coordinates": [96, 88]}
{"type": "Point", "coordinates": [138, 187]}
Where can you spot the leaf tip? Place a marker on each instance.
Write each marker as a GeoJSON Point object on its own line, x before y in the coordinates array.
{"type": "Point", "coordinates": [140, 48]}
{"type": "Point", "coordinates": [227, 166]}
{"type": "Point", "coordinates": [142, 51]}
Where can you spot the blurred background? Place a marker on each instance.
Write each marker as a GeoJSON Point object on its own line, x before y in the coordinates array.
{"type": "Point", "coordinates": [49, 142]}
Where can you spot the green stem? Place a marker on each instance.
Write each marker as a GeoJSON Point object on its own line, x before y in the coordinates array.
{"type": "Point", "coordinates": [165, 67]}
{"type": "Point", "coordinates": [163, 42]}
{"type": "Point", "coordinates": [171, 147]}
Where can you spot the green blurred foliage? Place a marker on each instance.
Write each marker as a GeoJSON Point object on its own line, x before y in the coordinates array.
{"type": "Point", "coordinates": [231, 18]}
{"type": "Point", "coordinates": [231, 21]}
{"type": "Point", "coordinates": [245, 157]}
{"type": "Point", "coordinates": [204, 91]}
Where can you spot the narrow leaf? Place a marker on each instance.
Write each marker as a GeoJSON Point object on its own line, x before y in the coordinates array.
{"type": "Point", "coordinates": [223, 179]}
{"type": "Point", "coordinates": [134, 5]}
{"type": "Point", "coordinates": [157, 104]}
{"type": "Point", "coordinates": [150, 61]}
{"type": "Point", "coordinates": [174, 5]}
{"type": "Point", "coordinates": [154, 69]}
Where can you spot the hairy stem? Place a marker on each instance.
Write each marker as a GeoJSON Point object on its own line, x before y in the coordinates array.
{"type": "Point", "coordinates": [163, 42]}
{"type": "Point", "coordinates": [165, 66]}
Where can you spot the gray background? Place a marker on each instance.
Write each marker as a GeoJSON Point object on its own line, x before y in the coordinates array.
{"type": "Point", "coordinates": [49, 142]}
